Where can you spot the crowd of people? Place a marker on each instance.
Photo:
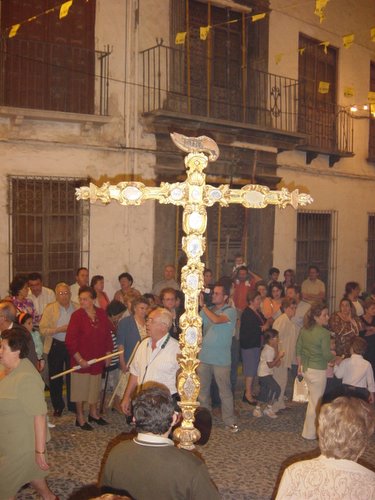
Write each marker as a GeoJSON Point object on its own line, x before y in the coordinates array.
{"type": "Point", "coordinates": [276, 329]}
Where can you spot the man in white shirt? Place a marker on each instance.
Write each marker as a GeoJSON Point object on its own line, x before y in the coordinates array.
{"type": "Point", "coordinates": [40, 295]}
{"type": "Point", "coordinates": [82, 279]}
{"type": "Point", "coordinates": [155, 359]}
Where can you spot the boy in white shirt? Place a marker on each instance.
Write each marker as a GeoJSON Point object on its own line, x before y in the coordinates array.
{"type": "Point", "coordinates": [269, 388]}
{"type": "Point", "coordinates": [356, 373]}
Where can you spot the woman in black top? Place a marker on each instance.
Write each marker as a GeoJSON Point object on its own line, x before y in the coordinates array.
{"type": "Point", "coordinates": [253, 324]}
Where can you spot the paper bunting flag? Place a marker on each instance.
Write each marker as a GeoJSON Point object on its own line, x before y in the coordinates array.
{"type": "Point", "coordinates": [203, 32]}
{"type": "Point", "coordinates": [372, 109]}
{"type": "Point", "coordinates": [301, 51]}
{"type": "Point", "coordinates": [371, 97]}
{"type": "Point", "coordinates": [278, 58]}
{"type": "Point", "coordinates": [13, 30]}
{"type": "Point", "coordinates": [320, 5]}
{"type": "Point", "coordinates": [64, 9]}
{"type": "Point", "coordinates": [347, 40]}
{"type": "Point", "coordinates": [323, 87]}
{"type": "Point", "coordinates": [372, 34]}
{"type": "Point", "coordinates": [348, 91]}
{"type": "Point", "coordinates": [325, 46]}
{"type": "Point", "coordinates": [180, 38]}
{"type": "Point", "coordinates": [258, 17]}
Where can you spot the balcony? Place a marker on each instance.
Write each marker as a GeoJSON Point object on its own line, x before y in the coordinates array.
{"type": "Point", "coordinates": [194, 87]}
{"type": "Point", "coordinates": [53, 77]}
{"type": "Point", "coordinates": [328, 128]}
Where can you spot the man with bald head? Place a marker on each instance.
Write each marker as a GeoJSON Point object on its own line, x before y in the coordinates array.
{"type": "Point", "coordinates": [53, 326]}
{"type": "Point", "coordinates": [169, 280]}
{"type": "Point", "coordinates": [155, 359]}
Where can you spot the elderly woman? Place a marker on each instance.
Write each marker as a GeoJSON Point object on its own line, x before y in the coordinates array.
{"type": "Point", "coordinates": [88, 336]}
{"type": "Point", "coordinates": [345, 326]}
{"type": "Point", "coordinates": [23, 428]}
{"type": "Point", "coordinates": [313, 355]}
{"type": "Point", "coordinates": [18, 290]}
{"type": "Point", "coordinates": [131, 331]}
{"type": "Point", "coordinates": [288, 334]}
{"type": "Point", "coordinates": [344, 428]}
{"type": "Point", "coordinates": [252, 326]}
{"type": "Point", "coordinates": [126, 284]}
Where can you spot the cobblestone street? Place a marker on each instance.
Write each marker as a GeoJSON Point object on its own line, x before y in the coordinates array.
{"type": "Point", "coordinates": [244, 466]}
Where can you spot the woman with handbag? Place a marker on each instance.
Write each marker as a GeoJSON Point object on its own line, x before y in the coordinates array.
{"type": "Point", "coordinates": [313, 356]}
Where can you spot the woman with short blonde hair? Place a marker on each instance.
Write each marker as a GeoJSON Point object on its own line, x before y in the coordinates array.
{"type": "Point", "coordinates": [345, 426]}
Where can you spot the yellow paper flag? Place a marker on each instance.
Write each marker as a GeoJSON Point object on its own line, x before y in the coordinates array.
{"type": "Point", "coordinates": [301, 51]}
{"type": "Point", "coordinates": [347, 40]}
{"type": "Point", "coordinates": [203, 32]}
{"type": "Point", "coordinates": [278, 58]}
{"type": "Point", "coordinates": [325, 46]}
{"type": "Point", "coordinates": [64, 9]}
{"type": "Point", "coordinates": [180, 38]}
{"type": "Point", "coordinates": [13, 30]}
{"type": "Point", "coordinates": [371, 97]}
{"type": "Point", "coordinates": [320, 5]}
{"type": "Point", "coordinates": [372, 109]}
{"type": "Point", "coordinates": [348, 91]}
{"type": "Point", "coordinates": [323, 87]}
{"type": "Point", "coordinates": [258, 17]}
{"type": "Point", "coordinates": [372, 34]}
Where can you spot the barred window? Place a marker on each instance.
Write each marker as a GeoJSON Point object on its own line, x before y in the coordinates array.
{"type": "Point", "coordinates": [316, 245]}
{"type": "Point", "coordinates": [371, 252]}
{"type": "Point", "coordinates": [371, 143]}
{"type": "Point", "coordinates": [49, 229]}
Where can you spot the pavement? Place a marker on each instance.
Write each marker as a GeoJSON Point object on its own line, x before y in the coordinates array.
{"type": "Point", "coordinates": [244, 466]}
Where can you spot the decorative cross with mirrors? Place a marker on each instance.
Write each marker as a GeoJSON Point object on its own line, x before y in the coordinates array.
{"type": "Point", "coordinates": [194, 195]}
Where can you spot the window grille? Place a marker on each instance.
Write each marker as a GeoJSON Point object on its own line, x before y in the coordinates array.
{"type": "Point", "coordinates": [371, 252]}
{"type": "Point", "coordinates": [48, 228]}
{"type": "Point", "coordinates": [316, 245]}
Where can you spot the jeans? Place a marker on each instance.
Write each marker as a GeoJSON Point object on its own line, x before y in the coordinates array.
{"type": "Point", "coordinates": [269, 389]}
{"type": "Point", "coordinates": [222, 377]}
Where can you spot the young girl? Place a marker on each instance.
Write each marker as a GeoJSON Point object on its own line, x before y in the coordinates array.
{"type": "Point", "coordinates": [26, 320]}
{"type": "Point", "coordinates": [269, 388]}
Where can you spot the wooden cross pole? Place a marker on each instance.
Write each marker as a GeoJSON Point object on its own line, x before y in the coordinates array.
{"type": "Point", "coordinates": [194, 195]}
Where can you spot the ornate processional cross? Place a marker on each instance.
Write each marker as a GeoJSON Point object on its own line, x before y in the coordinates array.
{"type": "Point", "coordinates": [194, 195]}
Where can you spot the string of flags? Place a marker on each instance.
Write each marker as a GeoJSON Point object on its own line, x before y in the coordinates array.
{"type": "Point", "coordinates": [62, 8]}
{"type": "Point", "coordinates": [347, 40]}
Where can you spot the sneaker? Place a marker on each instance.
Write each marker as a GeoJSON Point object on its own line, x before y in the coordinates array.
{"type": "Point", "coordinates": [270, 413]}
{"type": "Point", "coordinates": [257, 412]}
{"type": "Point", "coordinates": [232, 428]}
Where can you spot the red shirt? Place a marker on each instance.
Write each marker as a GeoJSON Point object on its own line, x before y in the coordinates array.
{"type": "Point", "coordinates": [92, 339]}
{"type": "Point", "coordinates": [240, 293]}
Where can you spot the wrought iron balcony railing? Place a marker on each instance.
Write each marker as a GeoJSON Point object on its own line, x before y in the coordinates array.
{"type": "Point", "coordinates": [174, 80]}
{"type": "Point", "coordinates": [50, 76]}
